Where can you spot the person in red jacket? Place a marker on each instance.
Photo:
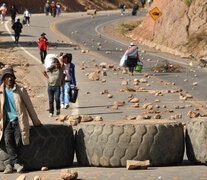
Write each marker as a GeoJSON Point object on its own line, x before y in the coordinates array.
{"type": "Point", "coordinates": [43, 45]}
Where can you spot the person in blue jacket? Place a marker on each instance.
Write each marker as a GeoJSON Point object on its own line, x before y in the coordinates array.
{"type": "Point", "coordinates": [69, 80]}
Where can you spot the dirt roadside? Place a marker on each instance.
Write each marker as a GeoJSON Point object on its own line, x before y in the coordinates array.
{"type": "Point", "coordinates": [27, 74]}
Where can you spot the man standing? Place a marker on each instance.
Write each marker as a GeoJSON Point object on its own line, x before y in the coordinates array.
{"type": "Point", "coordinates": [14, 106]}
{"type": "Point", "coordinates": [43, 45]}
{"type": "Point", "coordinates": [17, 27]}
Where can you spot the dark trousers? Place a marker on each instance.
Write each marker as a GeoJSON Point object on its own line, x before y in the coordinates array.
{"type": "Point", "coordinates": [54, 13]}
{"type": "Point", "coordinates": [43, 54]}
{"type": "Point", "coordinates": [54, 93]}
{"type": "Point", "coordinates": [131, 69]}
{"type": "Point", "coordinates": [16, 35]}
{"type": "Point", "coordinates": [13, 19]}
{"type": "Point", "coordinates": [27, 19]}
{"type": "Point", "coordinates": [12, 138]}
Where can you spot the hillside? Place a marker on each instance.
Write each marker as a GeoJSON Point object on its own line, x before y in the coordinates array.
{"type": "Point", "coordinates": [181, 30]}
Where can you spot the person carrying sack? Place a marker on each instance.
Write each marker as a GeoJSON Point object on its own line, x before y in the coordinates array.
{"type": "Point", "coordinates": [132, 57]}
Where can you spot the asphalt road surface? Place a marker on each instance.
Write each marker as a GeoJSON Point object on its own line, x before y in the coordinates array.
{"type": "Point", "coordinates": [69, 33]}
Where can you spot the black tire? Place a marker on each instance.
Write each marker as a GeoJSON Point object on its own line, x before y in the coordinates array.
{"type": "Point", "coordinates": [196, 141]}
{"type": "Point", "coordinates": [51, 146]}
{"type": "Point", "coordinates": [107, 144]}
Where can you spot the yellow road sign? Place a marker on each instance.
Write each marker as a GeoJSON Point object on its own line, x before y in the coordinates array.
{"type": "Point", "coordinates": [155, 13]}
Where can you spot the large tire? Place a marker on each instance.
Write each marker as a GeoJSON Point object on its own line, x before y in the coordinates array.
{"type": "Point", "coordinates": [113, 143]}
{"type": "Point", "coordinates": [196, 140]}
{"type": "Point", "coordinates": [51, 146]}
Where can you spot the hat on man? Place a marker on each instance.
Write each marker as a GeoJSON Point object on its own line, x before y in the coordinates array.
{"type": "Point", "coordinates": [8, 70]}
{"type": "Point", "coordinates": [3, 4]}
{"type": "Point", "coordinates": [131, 44]}
{"type": "Point", "coordinates": [43, 34]}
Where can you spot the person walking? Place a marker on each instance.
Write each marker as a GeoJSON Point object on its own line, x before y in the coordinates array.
{"type": "Point", "coordinates": [132, 57]}
{"type": "Point", "coordinates": [3, 10]}
{"type": "Point", "coordinates": [58, 7]}
{"type": "Point", "coordinates": [15, 106]}
{"type": "Point", "coordinates": [123, 8]}
{"type": "Point", "coordinates": [43, 46]}
{"type": "Point", "coordinates": [47, 8]}
{"type": "Point", "coordinates": [69, 73]}
{"type": "Point", "coordinates": [27, 16]}
{"type": "Point", "coordinates": [55, 78]}
{"type": "Point", "coordinates": [53, 7]}
{"type": "Point", "coordinates": [135, 9]}
{"type": "Point", "coordinates": [149, 3]}
{"type": "Point", "coordinates": [13, 11]}
{"type": "Point", "coordinates": [143, 3]}
{"type": "Point", "coordinates": [17, 27]}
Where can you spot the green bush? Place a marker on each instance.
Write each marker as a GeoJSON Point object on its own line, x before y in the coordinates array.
{"type": "Point", "coordinates": [188, 2]}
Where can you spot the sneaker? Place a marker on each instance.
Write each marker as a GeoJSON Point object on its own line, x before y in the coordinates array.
{"type": "Point", "coordinates": [62, 106]}
{"type": "Point", "coordinates": [58, 112]}
{"type": "Point", "coordinates": [50, 115]}
{"type": "Point", "coordinates": [66, 106]}
{"type": "Point", "coordinates": [8, 169]}
{"type": "Point", "coordinates": [18, 168]}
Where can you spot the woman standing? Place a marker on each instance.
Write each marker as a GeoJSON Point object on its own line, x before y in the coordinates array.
{"type": "Point", "coordinates": [69, 80]}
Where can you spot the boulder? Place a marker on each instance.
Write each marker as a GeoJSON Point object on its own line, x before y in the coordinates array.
{"type": "Point", "coordinates": [67, 174]}
{"type": "Point", "coordinates": [94, 76]}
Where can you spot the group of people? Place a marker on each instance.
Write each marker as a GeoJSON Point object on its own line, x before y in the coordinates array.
{"type": "Point", "coordinates": [53, 8]}
{"type": "Point", "coordinates": [14, 11]}
{"type": "Point", "coordinates": [61, 75]}
{"type": "Point", "coordinates": [15, 105]}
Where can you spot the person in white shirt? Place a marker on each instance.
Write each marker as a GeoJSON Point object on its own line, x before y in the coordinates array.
{"type": "Point", "coordinates": [27, 16]}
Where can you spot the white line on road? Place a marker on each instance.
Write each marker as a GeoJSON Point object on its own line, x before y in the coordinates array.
{"type": "Point", "coordinates": [27, 52]}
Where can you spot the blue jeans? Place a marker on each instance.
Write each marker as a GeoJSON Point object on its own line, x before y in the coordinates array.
{"type": "Point", "coordinates": [65, 98]}
{"type": "Point", "coordinates": [54, 93]}
{"type": "Point", "coordinates": [12, 138]}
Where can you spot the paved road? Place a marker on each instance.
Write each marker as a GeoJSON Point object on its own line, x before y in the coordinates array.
{"type": "Point", "coordinates": [92, 103]}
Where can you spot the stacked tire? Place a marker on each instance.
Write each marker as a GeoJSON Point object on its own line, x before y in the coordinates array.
{"type": "Point", "coordinates": [111, 144]}
{"type": "Point", "coordinates": [196, 141]}
{"type": "Point", "coordinates": [50, 146]}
